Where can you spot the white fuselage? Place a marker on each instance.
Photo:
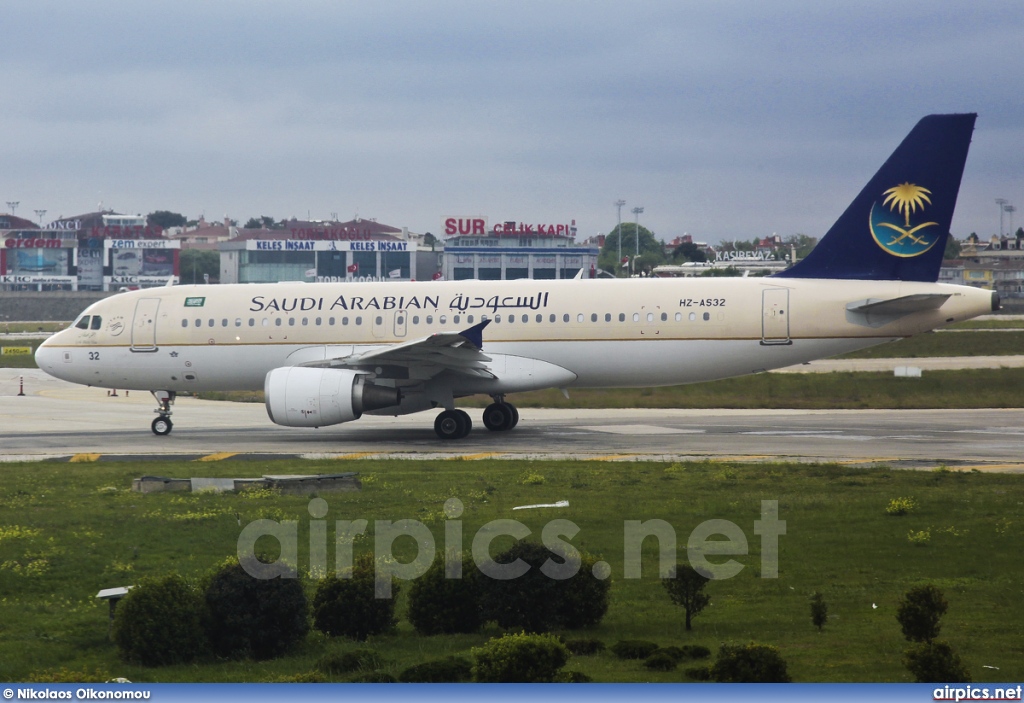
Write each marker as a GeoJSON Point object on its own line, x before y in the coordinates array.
{"type": "Point", "coordinates": [604, 333]}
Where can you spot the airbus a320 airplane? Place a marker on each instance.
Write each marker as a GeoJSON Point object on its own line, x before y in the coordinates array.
{"type": "Point", "coordinates": [326, 353]}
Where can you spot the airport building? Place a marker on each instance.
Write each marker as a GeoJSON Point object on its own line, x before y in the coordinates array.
{"type": "Point", "coordinates": [511, 250]}
{"type": "Point", "coordinates": [99, 251]}
{"type": "Point", "coordinates": [359, 250]}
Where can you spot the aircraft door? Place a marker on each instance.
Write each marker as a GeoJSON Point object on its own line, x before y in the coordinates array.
{"type": "Point", "coordinates": [401, 322]}
{"type": "Point", "coordinates": [378, 325]}
{"type": "Point", "coordinates": [144, 325]}
{"type": "Point", "coordinates": [775, 316]}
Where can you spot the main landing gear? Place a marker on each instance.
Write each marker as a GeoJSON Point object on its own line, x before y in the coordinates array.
{"type": "Point", "coordinates": [499, 416]}
{"type": "Point", "coordinates": [162, 425]}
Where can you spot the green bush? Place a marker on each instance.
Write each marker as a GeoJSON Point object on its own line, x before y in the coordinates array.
{"type": "Point", "coordinates": [65, 675]}
{"type": "Point", "coordinates": [373, 677]}
{"type": "Point", "coordinates": [687, 591]}
{"type": "Point", "coordinates": [901, 506]}
{"type": "Point", "coordinates": [159, 622]}
{"type": "Point", "coordinates": [535, 602]}
{"type": "Point", "coordinates": [698, 673]}
{"type": "Point", "coordinates": [633, 649]}
{"type": "Point", "coordinates": [348, 607]}
{"type": "Point", "coordinates": [440, 605]}
{"type": "Point", "coordinates": [356, 660]}
{"type": "Point", "coordinates": [919, 613]}
{"type": "Point", "coordinates": [677, 654]}
{"type": "Point", "coordinates": [520, 658]}
{"type": "Point", "coordinates": [447, 670]}
{"type": "Point", "coordinates": [661, 660]}
{"type": "Point", "coordinates": [584, 647]}
{"type": "Point", "coordinates": [695, 651]}
{"type": "Point", "coordinates": [572, 677]}
{"type": "Point", "coordinates": [304, 677]}
{"type": "Point", "coordinates": [935, 662]}
{"type": "Point", "coordinates": [250, 617]}
{"type": "Point", "coordinates": [819, 610]}
{"type": "Point", "coordinates": [750, 663]}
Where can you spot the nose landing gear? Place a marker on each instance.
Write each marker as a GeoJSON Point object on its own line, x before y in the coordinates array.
{"type": "Point", "coordinates": [162, 425]}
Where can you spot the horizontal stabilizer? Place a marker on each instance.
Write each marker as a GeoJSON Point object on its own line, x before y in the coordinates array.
{"type": "Point", "coordinates": [900, 306]}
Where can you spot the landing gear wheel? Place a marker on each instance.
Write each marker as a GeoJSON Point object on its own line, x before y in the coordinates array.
{"type": "Point", "coordinates": [453, 424]}
{"type": "Point", "coordinates": [515, 415]}
{"type": "Point", "coordinates": [162, 426]}
{"type": "Point", "coordinates": [499, 417]}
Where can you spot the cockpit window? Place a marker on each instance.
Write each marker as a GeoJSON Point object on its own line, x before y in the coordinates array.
{"type": "Point", "coordinates": [83, 323]}
{"type": "Point", "coordinates": [97, 322]}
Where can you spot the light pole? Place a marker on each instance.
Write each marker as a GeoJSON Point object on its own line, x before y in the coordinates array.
{"type": "Point", "coordinates": [13, 204]}
{"type": "Point", "coordinates": [1001, 202]}
{"type": "Point", "coordinates": [618, 262]}
{"type": "Point", "coordinates": [1010, 209]}
{"type": "Point", "coordinates": [637, 211]}
{"type": "Point", "coordinates": [39, 214]}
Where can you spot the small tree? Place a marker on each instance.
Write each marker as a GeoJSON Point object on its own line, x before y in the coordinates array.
{"type": "Point", "coordinates": [935, 662]}
{"type": "Point", "coordinates": [158, 622]}
{"type": "Point", "coordinates": [687, 590]}
{"type": "Point", "coordinates": [919, 613]}
{"type": "Point", "coordinates": [819, 610]}
{"type": "Point", "coordinates": [751, 663]}
{"type": "Point", "coordinates": [348, 607]}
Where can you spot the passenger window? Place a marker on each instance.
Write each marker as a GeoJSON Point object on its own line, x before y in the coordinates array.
{"type": "Point", "coordinates": [579, 317]}
{"type": "Point", "coordinates": [330, 321]}
{"type": "Point", "coordinates": [593, 317]}
{"type": "Point", "coordinates": [359, 320]}
{"type": "Point", "coordinates": [707, 316]}
{"type": "Point", "coordinates": [83, 323]}
{"type": "Point", "coordinates": [400, 320]}
{"type": "Point", "coordinates": [252, 321]}
{"type": "Point", "coordinates": [607, 317]}
{"type": "Point", "coordinates": [238, 322]}
{"type": "Point", "coordinates": [415, 319]}
{"type": "Point", "coordinates": [305, 321]}
{"type": "Point", "coordinates": [443, 319]}
{"type": "Point", "coordinates": [212, 322]}
{"type": "Point", "coordinates": [679, 316]}
{"type": "Point", "coordinates": [650, 317]}
{"type": "Point", "coordinates": [266, 322]}
{"type": "Point", "coordinates": [456, 319]}
{"type": "Point", "coordinates": [664, 317]}
{"type": "Point", "coordinates": [97, 322]}
{"type": "Point", "coordinates": [540, 318]}
{"type": "Point", "coordinates": [565, 317]}
{"type": "Point", "coordinates": [378, 320]}
{"type": "Point", "coordinates": [526, 318]}
{"type": "Point", "coordinates": [184, 323]}
{"type": "Point", "coordinates": [291, 321]}
{"type": "Point", "coordinates": [469, 319]}
{"type": "Point", "coordinates": [636, 317]}
{"type": "Point", "coordinates": [430, 319]}
{"type": "Point", "coordinates": [277, 321]}
{"type": "Point", "coordinates": [224, 322]}
{"type": "Point", "coordinates": [497, 319]}
{"type": "Point", "coordinates": [622, 317]}
{"type": "Point", "coordinates": [511, 319]}
{"type": "Point", "coordinates": [344, 321]}
{"type": "Point", "coordinates": [318, 321]}
{"type": "Point", "coordinates": [693, 316]}
{"type": "Point", "coordinates": [199, 323]}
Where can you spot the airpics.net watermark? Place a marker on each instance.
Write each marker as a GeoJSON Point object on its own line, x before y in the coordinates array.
{"type": "Point", "coordinates": [711, 538]}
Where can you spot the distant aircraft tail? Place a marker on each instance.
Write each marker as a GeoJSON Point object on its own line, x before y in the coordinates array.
{"type": "Point", "coordinates": [896, 229]}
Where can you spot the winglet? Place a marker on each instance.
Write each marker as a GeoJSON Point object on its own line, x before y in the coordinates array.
{"type": "Point", "coordinates": [475, 334]}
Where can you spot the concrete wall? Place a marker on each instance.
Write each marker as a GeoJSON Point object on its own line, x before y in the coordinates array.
{"type": "Point", "coordinates": [50, 306]}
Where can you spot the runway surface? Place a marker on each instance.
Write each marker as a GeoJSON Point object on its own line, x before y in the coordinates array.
{"type": "Point", "coordinates": [63, 421]}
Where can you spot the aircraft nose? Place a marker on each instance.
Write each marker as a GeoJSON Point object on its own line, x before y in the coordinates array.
{"type": "Point", "coordinates": [46, 357]}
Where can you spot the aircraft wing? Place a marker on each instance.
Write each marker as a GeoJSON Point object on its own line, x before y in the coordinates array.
{"type": "Point", "coordinates": [459, 352]}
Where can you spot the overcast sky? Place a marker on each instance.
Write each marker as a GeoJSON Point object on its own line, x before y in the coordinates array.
{"type": "Point", "coordinates": [722, 119]}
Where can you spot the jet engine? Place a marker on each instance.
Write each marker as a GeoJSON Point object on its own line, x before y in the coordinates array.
{"type": "Point", "coordinates": [298, 396]}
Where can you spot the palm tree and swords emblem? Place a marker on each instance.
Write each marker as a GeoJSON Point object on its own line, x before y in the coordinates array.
{"type": "Point", "coordinates": [901, 238]}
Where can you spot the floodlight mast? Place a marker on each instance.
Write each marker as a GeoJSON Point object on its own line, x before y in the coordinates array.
{"type": "Point", "coordinates": [618, 264]}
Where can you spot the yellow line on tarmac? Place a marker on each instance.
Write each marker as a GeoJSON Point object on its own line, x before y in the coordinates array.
{"type": "Point", "coordinates": [986, 467]}
{"type": "Point", "coordinates": [612, 457]}
{"type": "Point", "coordinates": [357, 455]}
{"type": "Point", "coordinates": [218, 456]}
{"type": "Point", "coordinates": [85, 457]}
{"type": "Point", "coordinates": [472, 457]}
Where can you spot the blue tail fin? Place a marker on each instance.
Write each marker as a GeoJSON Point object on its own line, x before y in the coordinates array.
{"type": "Point", "coordinates": [896, 229]}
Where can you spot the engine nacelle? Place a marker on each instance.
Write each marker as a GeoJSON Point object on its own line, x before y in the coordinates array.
{"type": "Point", "coordinates": [297, 396]}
